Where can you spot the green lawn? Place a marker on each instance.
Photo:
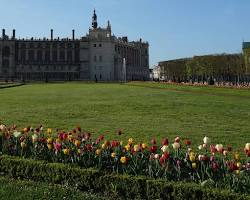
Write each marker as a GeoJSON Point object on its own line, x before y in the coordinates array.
{"type": "Point", "coordinates": [28, 190]}
{"type": "Point", "coordinates": [143, 110]}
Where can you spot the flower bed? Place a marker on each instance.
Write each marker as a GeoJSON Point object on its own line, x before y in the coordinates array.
{"type": "Point", "coordinates": [209, 165]}
{"type": "Point", "coordinates": [114, 186]}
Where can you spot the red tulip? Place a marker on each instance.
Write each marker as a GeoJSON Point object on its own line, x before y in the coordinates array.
{"type": "Point", "coordinates": [177, 139]}
{"type": "Point", "coordinates": [166, 155]}
{"type": "Point", "coordinates": [188, 142]}
{"type": "Point", "coordinates": [89, 147]}
{"type": "Point", "coordinates": [153, 141]}
{"type": "Point", "coordinates": [162, 160]}
{"type": "Point", "coordinates": [101, 137]}
{"type": "Point", "coordinates": [215, 166]}
{"type": "Point", "coordinates": [115, 143]}
{"type": "Point", "coordinates": [57, 146]}
{"type": "Point", "coordinates": [164, 141]}
{"type": "Point", "coordinates": [153, 149]}
{"type": "Point", "coordinates": [212, 148]}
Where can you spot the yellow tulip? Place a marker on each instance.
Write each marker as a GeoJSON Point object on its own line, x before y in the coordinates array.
{"type": "Point", "coordinates": [136, 148]}
{"type": "Point", "coordinates": [239, 165]}
{"type": "Point", "coordinates": [49, 130]}
{"type": "Point", "coordinates": [104, 146]}
{"type": "Point", "coordinates": [194, 165]}
{"type": "Point", "coordinates": [50, 146]}
{"type": "Point", "coordinates": [77, 143]}
{"type": "Point", "coordinates": [192, 156]}
{"type": "Point", "coordinates": [49, 140]}
{"type": "Point", "coordinates": [79, 151]}
{"type": "Point", "coordinates": [113, 155]}
{"type": "Point", "coordinates": [127, 147]}
{"type": "Point", "coordinates": [66, 151]}
{"type": "Point", "coordinates": [123, 160]}
{"type": "Point", "coordinates": [237, 156]}
{"type": "Point", "coordinates": [98, 152]}
{"type": "Point", "coordinates": [144, 145]}
{"type": "Point", "coordinates": [130, 141]}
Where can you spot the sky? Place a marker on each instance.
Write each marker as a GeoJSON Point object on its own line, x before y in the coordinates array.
{"type": "Point", "coordinates": [173, 28]}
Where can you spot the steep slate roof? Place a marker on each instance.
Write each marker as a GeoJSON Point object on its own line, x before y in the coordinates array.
{"type": "Point", "coordinates": [246, 45]}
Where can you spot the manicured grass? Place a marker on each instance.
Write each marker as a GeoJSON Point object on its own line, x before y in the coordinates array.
{"type": "Point", "coordinates": [26, 190]}
{"type": "Point", "coordinates": [143, 110]}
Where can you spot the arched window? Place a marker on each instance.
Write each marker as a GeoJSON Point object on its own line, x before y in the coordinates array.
{"type": "Point", "coordinates": [6, 51]}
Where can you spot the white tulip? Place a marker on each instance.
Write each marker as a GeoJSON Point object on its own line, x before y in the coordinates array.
{"type": "Point", "coordinates": [157, 156]}
{"type": "Point", "coordinates": [164, 148]}
{"type": "Point", "coordinates": [247, 146]}
{"type": "Point", "coordinates": [219, 147]}
{"type": "Point", "coordinates": [206, 140]}
{"type": "Point", "coordinates": [176, 145]}
{"type": "Point", "coordinates": [16, 134]}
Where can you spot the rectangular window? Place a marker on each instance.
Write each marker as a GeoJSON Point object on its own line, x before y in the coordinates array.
{"type": "Point", "coordinates": [100, 58]}
{"type": "Point", "coordinates": [94, 45]}
{"type": "Point", "coordinates": [100, 45]}
{"type": "Point", "coordinates": [95, 58]}
{"type": "Point", "coordinates": [39, 55]}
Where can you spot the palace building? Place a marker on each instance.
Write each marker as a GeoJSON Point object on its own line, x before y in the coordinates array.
{"type": "Point", "coordinates": [99, 56]}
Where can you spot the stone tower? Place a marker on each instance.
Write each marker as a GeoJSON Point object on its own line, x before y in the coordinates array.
{"type": "Point", "coordinates": [94, 21]}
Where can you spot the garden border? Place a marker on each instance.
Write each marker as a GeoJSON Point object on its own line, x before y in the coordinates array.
{"type": "Point", "coordinates": [112, 185]}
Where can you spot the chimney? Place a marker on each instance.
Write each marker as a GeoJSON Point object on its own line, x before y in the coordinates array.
{"type": "Point", "coordinates": [3, 34]}
{"type": "Point", "coordinates": [73, 34]}
{"type": "Point", "coordinates": [51, 34]}
{"type": "Point", "coordinates": [14, 34]}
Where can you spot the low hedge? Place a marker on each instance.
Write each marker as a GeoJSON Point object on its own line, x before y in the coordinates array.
{"type": "Point", "coordinates": [29, 190]}
{"type": "Point", "coordinates": [112, 185]}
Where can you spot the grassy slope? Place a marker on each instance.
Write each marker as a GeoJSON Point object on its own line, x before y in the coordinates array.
{"type": "Point", "coordinates": [144, 110]}
{"type": "Point", "coordinates": [26, 190]}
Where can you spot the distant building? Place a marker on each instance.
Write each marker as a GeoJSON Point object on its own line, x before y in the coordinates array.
{"type": "Point", "coordinates": [157, 73]}
{"type": "Point", "coordinates": [97, 56]}
{"type": "Point", "coordinates": [246, 54]}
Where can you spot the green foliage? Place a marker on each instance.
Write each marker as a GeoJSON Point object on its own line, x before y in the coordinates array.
{"type": "Point", "coordinates": [26, 190]}
{"type": "Point", "coordinates": [113, 185]}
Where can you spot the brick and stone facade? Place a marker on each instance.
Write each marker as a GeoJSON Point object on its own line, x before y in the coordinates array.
{"type": "Point", "coordinates": [97, 56]}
